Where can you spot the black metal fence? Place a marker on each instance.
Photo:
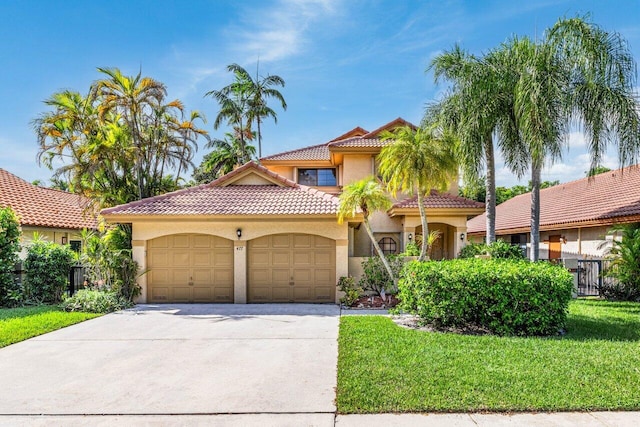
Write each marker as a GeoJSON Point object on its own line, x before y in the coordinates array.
{"type": "Point", "coordinates": [592, 276]}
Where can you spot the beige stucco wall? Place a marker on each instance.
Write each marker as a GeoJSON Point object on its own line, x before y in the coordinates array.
{"type": "Point", "coordinates": [49, 234]}
{"type": "Point", "coordinates": [143, 231]}
{"type": "Point", "coordinates": [588, 242]}
{"type": "Point", "coordinates": [286, 171]}
{"type": "Point", "coordinates": [356, 167]}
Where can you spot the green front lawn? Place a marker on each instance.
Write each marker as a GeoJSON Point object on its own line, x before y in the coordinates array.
{"type": "Point", "coordinates": [595, 366]}
{"type": "Point", "coordinates": [19, 324]}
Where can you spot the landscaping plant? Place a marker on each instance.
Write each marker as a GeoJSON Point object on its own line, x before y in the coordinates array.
{"type": "Point", "coordinates": [498, 249]}
{"type": "Point", "coordinates": [47, 270]}
{"type": "Point", "coordinates": [95, 301]}
{"type": "Point", "coordinates": [503, 296]}
{"type": "Point", "coordinates": [625, 266]}
{"type": "Point", "coordinates": [375, 277]}
{"type": "Point", "coordinates": [108, 262]}
{"type": "Point", "coordinates": [9, 247]}
{"type": "Point", "coordinates": [351, 290]}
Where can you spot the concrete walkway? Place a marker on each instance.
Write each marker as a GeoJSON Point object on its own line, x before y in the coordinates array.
{"type": "Point", "coordinates": [223, 365]}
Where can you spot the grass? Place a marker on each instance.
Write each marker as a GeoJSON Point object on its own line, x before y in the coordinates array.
{"type": "Point", "coordinates": [19, 324]}
{"type": "Point", "coordinates": [595, 366]}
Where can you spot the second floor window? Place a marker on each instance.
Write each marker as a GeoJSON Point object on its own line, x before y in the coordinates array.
{"type": "Point", "coordinates": [317, 177]}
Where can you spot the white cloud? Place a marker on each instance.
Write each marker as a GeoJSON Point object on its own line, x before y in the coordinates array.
{"type": "Point", "coordinates": [279, 31]}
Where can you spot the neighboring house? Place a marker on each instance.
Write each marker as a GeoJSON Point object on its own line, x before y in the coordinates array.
{"type": "Point", "coordinates": [269, 233]}
{"type": "Point", "coordinates": [56, 215]}
{"type": "Point", "coordinates": [575, 217]}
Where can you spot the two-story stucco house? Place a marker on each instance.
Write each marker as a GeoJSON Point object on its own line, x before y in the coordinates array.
{"type": "Point", "coordinates": [268, 232]}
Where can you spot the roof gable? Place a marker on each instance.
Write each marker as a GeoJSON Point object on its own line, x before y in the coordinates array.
{"type": "Point", "coordinates": [235, 194]}
{"type": "Point", "coordinates": [355, 132]}
{"type": "Point", "coordinates": [45, 207]}
{"type": "Point", "coordinates": [603, 199]}
{"type": "Point", "coordinates": [394, 124]}
{"type": "Point", "coordinates": [252, 174]}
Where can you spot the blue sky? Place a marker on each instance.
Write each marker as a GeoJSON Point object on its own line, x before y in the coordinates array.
{"type": "Point", "coordinates": [346, 63]}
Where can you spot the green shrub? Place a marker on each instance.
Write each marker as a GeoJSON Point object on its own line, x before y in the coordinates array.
{"type": "Point", "coordinates": [9, 247]}
{"type": "Point", "coordinates": [47, 271]}
{"type": "Point", "coordinates": [94, 301]}
{"type": "Point", "coordinates": [412, 249]}
{"type": "Point", "coordinates": [625, 266]}
{"type": "Point", "coordinates": [498, 249]}
{"type": "Point", "coordinates": [375, 277]}
{"type": "Point", "coordinates": [504, 296]}
{"type": "Point", "coordinates": [352, 291]}
{"type": "Point", "coordinates": [108, 262]}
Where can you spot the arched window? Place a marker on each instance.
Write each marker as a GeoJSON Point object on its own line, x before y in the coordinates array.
{"type": "Point", "coordinates": [388, 245]}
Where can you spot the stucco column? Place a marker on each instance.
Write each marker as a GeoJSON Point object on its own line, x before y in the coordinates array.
{"type": "Point", "coordinates": [240, 271]}
{"type": "Point", "coordinates": [342, 262]}
{"type": "Point", "coordinates": [139, 255]}
{"type": "Point", "coordinates": [460, 240]}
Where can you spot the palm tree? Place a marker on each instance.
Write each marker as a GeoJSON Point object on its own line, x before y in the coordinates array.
{"type": "Point", "coordinates": [416, 162]}
{"type": "Point", "coordinates": [578, 74]}
{"type": "Point", "coordinates": [225, 156]}
{"type": "Point", "coordinates": [245, 101]}
{"type": "Point", "coordinates": [131, 97]}
{"type": "Point", "coordinates": [368, 196]}
{"type": "Point", "coordinates": [474, 109]}
{"type": "Point", "coordinates": [189, 133]}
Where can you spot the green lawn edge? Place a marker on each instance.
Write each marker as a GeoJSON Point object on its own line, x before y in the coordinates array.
{"type": "Point", "coordinates": [385, 368]}
{"type": "Point", "coordinates": [19, 324]}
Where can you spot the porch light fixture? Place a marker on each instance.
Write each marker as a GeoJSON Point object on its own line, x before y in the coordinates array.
{"type": "Point", "coordinates": [410, 237]}
{"type": "Point", "coordinates": [64, 240]}
{"type": "Point", "coordinates": [239, 232]}
{"type": "Point", "coordinates": [462, 237]}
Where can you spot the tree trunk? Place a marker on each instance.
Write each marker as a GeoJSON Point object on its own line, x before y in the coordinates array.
{"type": "Point", "coordinates": [378, 250]}
{"type": "Point", "coordinates": [424, 248]}
{"type": "Point", "coordinates": [259, 139]}
{"type": "Point", "coordinates": [490, 187]}
{"type": "Point", "coordinates": [535, 211]}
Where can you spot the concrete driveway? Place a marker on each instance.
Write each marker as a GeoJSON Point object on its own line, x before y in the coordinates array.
{"type": "Point", "coordinates": [179, 359]}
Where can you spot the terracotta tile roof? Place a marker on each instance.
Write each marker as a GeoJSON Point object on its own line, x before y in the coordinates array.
{"type": "Point", "coordinates": [355, 138]}
{"type": "Point", "coordinates": [605, 199]}
{"type": "Point", "coordinates": [315, 152]}
{"type": "Point", "coordinates": [440, 200]}
{"type": "Point", "coordinates": [359, 143]}
{"type": "Point", "coordinates": [217, 198]}
{"type": "Point", "coordinates": [44, 207]}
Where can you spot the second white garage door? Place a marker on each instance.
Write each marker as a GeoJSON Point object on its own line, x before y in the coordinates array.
{"type": "Point", "coordinates": [292, 268]}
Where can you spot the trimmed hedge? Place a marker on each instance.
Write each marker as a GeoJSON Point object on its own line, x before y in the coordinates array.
{"type": "Point", "coordinates": [506, 297]}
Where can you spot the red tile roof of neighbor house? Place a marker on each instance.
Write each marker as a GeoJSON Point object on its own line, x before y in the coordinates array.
{"type": "Point", "coordinates": [608, 198]}
{"type": "Point", "coordinates": [44, 207]}
{"type": "Point", "coordinates": [223, 197]}
{"type": "Point", "coordinates": [438, 200]}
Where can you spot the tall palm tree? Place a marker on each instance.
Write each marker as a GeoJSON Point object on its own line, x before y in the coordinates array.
{"type": "Point", "coordinates": [130, 96]}
{"type": "Point", "coordinates": [245, 100]}
{"type": "Point", "coordinates": [368, 196]}
{"type": "Point", "coordinates": [578, 74]}
{"type": "Point", "coordinates": [416, 162]}
{"type": "Point", "coordinates": [474, 109]}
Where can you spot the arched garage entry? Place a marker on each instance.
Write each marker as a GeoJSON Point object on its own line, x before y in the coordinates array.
{"type": "Point", "coordinates": [190, 268]}
{"type": "Point", "coordinates": [291, 268]}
